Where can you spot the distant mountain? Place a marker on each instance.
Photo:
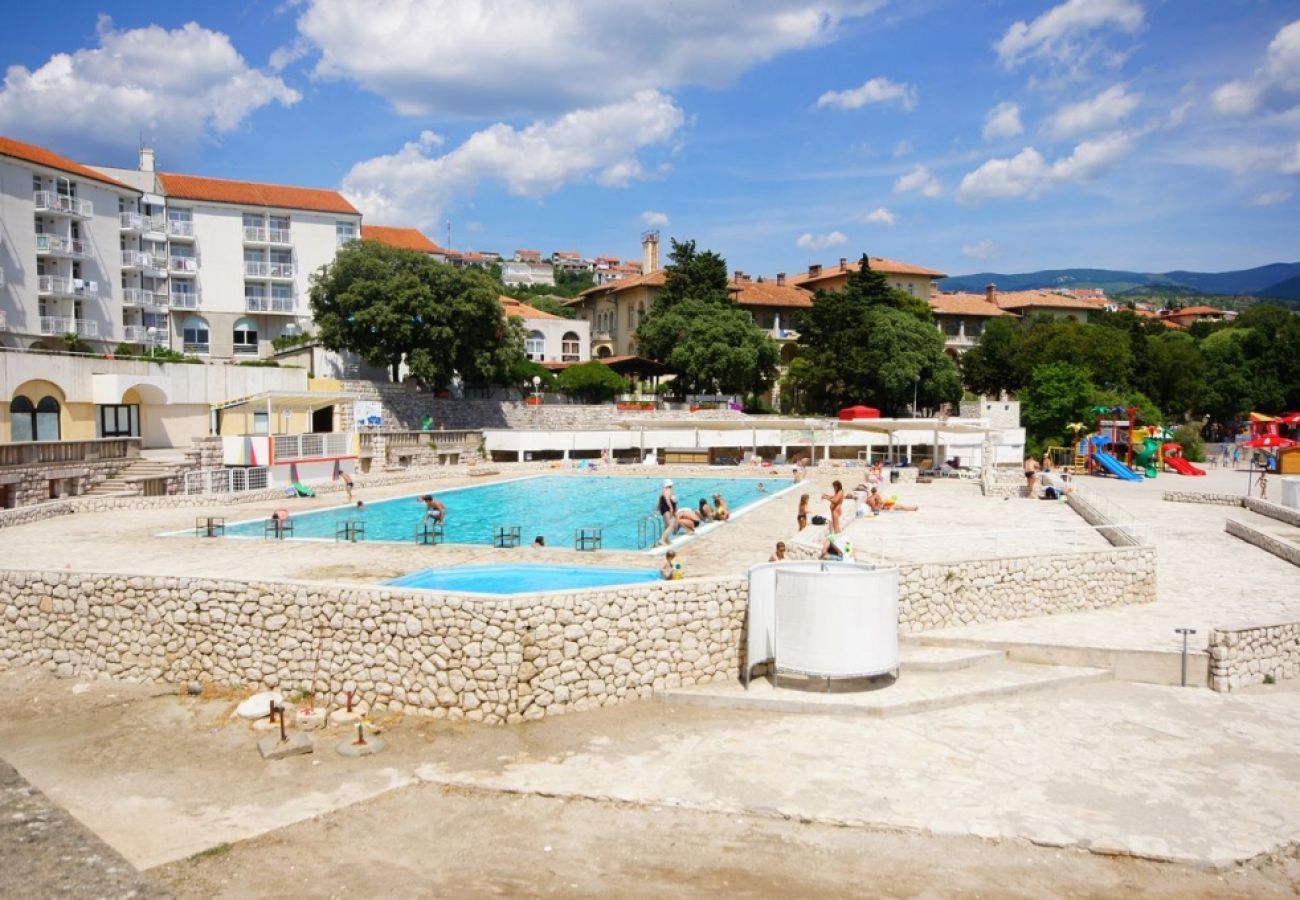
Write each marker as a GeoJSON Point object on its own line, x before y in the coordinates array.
{"type": "Point", "coordinates": [1264, 281]}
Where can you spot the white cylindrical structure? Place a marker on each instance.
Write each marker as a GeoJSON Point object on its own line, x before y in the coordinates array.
{"type": "Point", "coordinates": [1291, 492]}
{"type": "Point", "coordinates": [827, 619]}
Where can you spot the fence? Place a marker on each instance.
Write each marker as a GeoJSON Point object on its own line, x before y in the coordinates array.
{"type": "Point", "coordinates": [227, 481]}
{"type": "Point", "coordinates": [324, 445]}
{"type": "Point", "coordinates": [27, 453]}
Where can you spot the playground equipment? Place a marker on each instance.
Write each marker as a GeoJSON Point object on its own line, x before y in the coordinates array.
{"type": "Point", "coordinates": [1174, 460]}
{"type": "Point", "coordinates": [1098, 456]}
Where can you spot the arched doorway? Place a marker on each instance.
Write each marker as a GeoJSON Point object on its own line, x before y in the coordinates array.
{"type": "Point", "coordinates": [570, 347]}
{"type": "Point", "coordinates": [34, 421]}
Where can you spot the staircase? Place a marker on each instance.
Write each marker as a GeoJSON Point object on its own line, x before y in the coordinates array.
{"type": "Point", "coordinates": [123, 483]}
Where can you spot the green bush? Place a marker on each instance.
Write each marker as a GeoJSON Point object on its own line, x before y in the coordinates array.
{"type": "Point", "coordinates": [1193, 444]}
{"type": "Point", "coordinates": [592, 381]}
{"type": "Point", "coordinates": [286, 341]}
{"type": "Point", "coordinates": [262, 364]}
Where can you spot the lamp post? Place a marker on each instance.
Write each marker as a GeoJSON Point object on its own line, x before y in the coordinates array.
{"type": "Point", "coordinates": [152, 333]}
{"type": "Point", "coordinates": [537, 388]}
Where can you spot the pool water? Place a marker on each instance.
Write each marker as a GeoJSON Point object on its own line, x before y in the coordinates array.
{"type": "Point", "coordinates": [553, 506]}
{"type": "Point", "coordinates": [521, 579]}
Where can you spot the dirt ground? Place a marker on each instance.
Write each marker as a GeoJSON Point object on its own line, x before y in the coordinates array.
{"type": "Point", "coordinates": [162, 776]}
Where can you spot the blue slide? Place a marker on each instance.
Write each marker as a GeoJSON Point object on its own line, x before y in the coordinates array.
{"type": "Point", "coordinates": [1114, 466]}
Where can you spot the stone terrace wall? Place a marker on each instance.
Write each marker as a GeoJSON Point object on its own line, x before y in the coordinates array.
{"type": "Point", "coordinates": [493, 660]}
{"type": "Point", "coordinates": [1287, 550]}
{"type": "Point", "coordinates": [942, 595]}
{"type": "Point", "coordinates": [1201, 497]}
{"type": "Point", "coordinates": [1243, 656]}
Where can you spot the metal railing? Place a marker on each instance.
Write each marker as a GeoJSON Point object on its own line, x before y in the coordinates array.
{"type": "Point", "coordinates": [261, 269]}
{"type": "Point", "coordinates": [134, 296]}
{"type": "Point", "coordinates": [29, 453]}
{"type": "Point", "coordinates": [58, 245]}
{"type": "Point", "coordinates": [52, 202]}
{"type": "Point", "coordinates": [185, 299]}
{"type": "Point", "coordinates": [183, 264]}
{"type": "Point", "coordinates": [139, 334]}
{"type": "Point", "coordinates": [288, 447]}
{"type": "Point", "coordinates": [265, 304]}
{"type": "Point", "coordinates": [138, 259]}
{"type": "Point", "coordinates": [227, 481]}
{"type": "Point", "coordinates": [61, 325]}
{"type": "Point", "coordinates": [129, 221]}
{"type": "Point", "coordinates": [182, 228]}
{"type": "Point", "coordinates": [254, 234]}
{"type": "Point", "coordinates": [451, 440]}
{"type": "Point", "coordinates": [278, 236]}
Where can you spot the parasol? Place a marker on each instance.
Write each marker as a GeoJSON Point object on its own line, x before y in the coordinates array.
{"type": "Point", "coordinates": [1268, 442]}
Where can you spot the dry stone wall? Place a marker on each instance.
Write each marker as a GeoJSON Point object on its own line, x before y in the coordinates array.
{"type": "Point", "coordinates": [1247, 655]}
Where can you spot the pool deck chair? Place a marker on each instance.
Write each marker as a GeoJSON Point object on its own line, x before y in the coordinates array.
{"type": "Point", "coordinates": [586, 538]}
{"type": "Point", "coordinates": [506, 536]}
{"type": "Point", "coordinates": [429, 533]}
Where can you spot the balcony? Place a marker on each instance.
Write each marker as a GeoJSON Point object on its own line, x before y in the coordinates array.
{"type": "Point", "coordinates": [133, 223]}
{"type": "Point", "coordinates": [61, 325]}
{"type": "Point", "coordinates": [261, 269]}
{"type": "Point", "coordinates": [55, 204]}
{"type": "Point", "coordinates": [138, 259]}
{"type": "Point", "coordinates": [139, 298]}
{"type": "Point", "coordinates": [185, 299]}
{"type": "Point", "coordinates": [254, 235]}
{"type": "Point", "coordinates": [183, 264]}
{"type": "Point", "coordinates": [285, 305]}
{"type": "Point", "coordinates": [278, 236]}
{"type": "Point", "coordinates": [60, 246]}
{"type": "Point", "coordinates": [139, 334]}
{"type": "Point", "coordinates": [180, 229]}
{"type": "Point", "coordinates": [63, 286]}
{"type": "Point", "coordinates": [155, 225]}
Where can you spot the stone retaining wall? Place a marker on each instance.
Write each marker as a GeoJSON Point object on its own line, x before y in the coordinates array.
{"type": "Point", "coordinates": [1244, 656]}
{"type": "Point", "coordinates": [484, 658]}
{"type": "Point", "coordinates": [1119, 534]}
{"type": "Point", "coordinates": [1287, 550]}
{"type": "Point", "coordinates": [1201, 497]}
{"type": "Point", "coordinates": [1273, 510]}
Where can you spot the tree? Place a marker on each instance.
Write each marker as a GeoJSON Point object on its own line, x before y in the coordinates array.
{"type": "Point", "coordinates": [592, 381]}
{"type": "Point", "coordinates": [1172, 372]}
{"type": "Point", "coordinates": [391, 306]}
{"type": "Point", "coordinates": [1057, 394]}
{"type": "Point", "coordinates": [995, 363]}
{"type": "Point", "coordinates": [1228, 392]}
{"type": "Point", "coordinates": [698, 331]}
{"type": "Point", "coordinates": [871, 343]}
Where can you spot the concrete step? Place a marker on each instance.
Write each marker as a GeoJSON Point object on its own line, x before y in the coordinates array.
{"type": "Point", "coordinates": [920, 658]}
{"type": "Point", "coordinates": [912, 692]}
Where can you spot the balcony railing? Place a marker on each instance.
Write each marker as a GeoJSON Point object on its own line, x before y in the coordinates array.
{"type": "Point", "coordinates": [254, 235]}
{"type": "Point", "coordinates": [61, 204]}
{"type": "Point", "coordinates": [180, 228]}
{"type": "Point", "coordinates": [63, 286]}
{"type": "Point", "coordinates": [130, 221]}
{"type": "Point", "coordinates": [959, 340]}
{"type": "Point", "coordinates": [60, 325]}
{"type": "Point", "coordinates": [58, 245]}
{"type": "Point", "coordinates": [185, 299]}
{"type": "Point", "coordinates": [278, 236]}
{"type": "Point", "coordinates": [261, 269]}
{"type": "Point", "coordinates": [271, 304]}
{"type": "Point", "coordinates": [183, 264]}
{"type": "Point", "coordinates": [138, 259]}
{"type": "Point", "coordinates": [143, 298]}
{"type": "Point", "coordinates": [139, 334]}
{"type": "Point", "coordinates": [29, 453]}
{"type": "Point", "coordinates": [288, 447]}
{"type": "Point", "coordinates": [155, 224]}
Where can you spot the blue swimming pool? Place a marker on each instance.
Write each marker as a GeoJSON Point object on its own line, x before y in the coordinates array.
{"type": "Point", "coordinates": [520, 579]}
{"type": "Point", "coordinates": [553, 506]}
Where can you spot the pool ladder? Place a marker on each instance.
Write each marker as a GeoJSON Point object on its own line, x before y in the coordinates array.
{"type": "Point", "coordinates": [648, 529]}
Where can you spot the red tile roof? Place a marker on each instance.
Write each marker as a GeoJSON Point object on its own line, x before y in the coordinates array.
{"type": "Point", "coordinates": [960, 303]}
{"type": "Point", "coordinates": [654, 279]}
{"type": "Point", "coordinates": [769, 293]}
{"type": "Point", "coordinates": [514, 308]}
{"type": "Point", "coordinates": [48, 158]}
{"type": "Point", "coordinates": [1196, 311]}
{"type": "Point", "coordinates": [878, 264]}
{"type": "Point", "coordinates": [251, 193]}
{"type": "Point", "coordinates": [401, 238]}
{"type": "Point", "coordinates": [1016, 300]}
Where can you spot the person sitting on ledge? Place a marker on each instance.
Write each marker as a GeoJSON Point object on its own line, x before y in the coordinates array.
{"type": "Point", "coordinates": [671, 569]}
{"type": "Point", "coordinates": [837, 547]}
{"type": "Point", "coordinates": [539, 542]}
{"type": "Point", "coordinates": [707, 513]}
{"type": "Point", "coordinates": [879, 504]}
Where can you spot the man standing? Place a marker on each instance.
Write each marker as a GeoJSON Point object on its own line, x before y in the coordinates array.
{"type": "Point", "coordinates": [1031, 475]}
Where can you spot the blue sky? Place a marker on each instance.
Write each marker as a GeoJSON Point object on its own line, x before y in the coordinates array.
{"type": "Point", "coordinates": [1000, 135]}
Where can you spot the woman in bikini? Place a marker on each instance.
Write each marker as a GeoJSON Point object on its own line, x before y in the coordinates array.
{"type": "Point", "coordinates": [668, 511]}
{"type": "Point", "coordinates": [837, 502]}
{"type": "Point", "coordinates": [802, 517]}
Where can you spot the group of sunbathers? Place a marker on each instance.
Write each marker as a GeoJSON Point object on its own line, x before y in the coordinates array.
{"type": "Point", "coordinates": [678, 517]}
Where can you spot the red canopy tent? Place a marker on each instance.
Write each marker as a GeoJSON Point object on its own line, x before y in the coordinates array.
{"type": "Point", "coordinates": [1268, 442]}
{"type": "Point", "coordinates": [1291, 418]}
{"type": "Point", "coordinates": [849, 413]}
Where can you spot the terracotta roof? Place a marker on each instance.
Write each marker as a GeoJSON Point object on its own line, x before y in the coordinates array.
{"type": "Point", "coordinates": [1045, 299]}
{"type": "Point", "coordinates": [960, 303]}
{"type": "Point", "coordinates": [878, 264]}
{"type": "Point", "coordinates": [42, 157]}
{"type": "Point", "coordinates": [514, 308]}
{"type": "Point", "coordinates": [251, 193]}
{"type": "Point", "coordinates": [769, 293]}
{"type": "Point", "coordinates": [401, 238]}
{"type": "Point", "coordinates": [653, 279]}
{"type": "Point", "coordinates": [1196, 311]}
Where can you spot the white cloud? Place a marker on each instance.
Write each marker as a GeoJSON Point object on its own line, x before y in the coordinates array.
{"type": "Point", "coordinates": [821, 241]}
{"type": "Point", "coordinates": [1291, 163]}
{"type": "Point", "coordinates": [511, 57]}
{"type": "Point", "coordinates": [654, 219]}
{"type": "Point", "coordinates": [979, 249]}
{"type": "Point", "coordinates": [1003, 121]}
{"type": "Point", "coordinates": [1060, 34]}
{"type": "Point", "coordinates": [412, 186]}
{"type": "Point", "coordinates": [880, 216]}
{"type": "Point", "coordinates": [1274, 87]}
{"type": "Point", "coordinates": [902, 148]}
{"type": "Point", "coordinates": [919, 180]}
{"type": "Point", "coordinates": [173, 86]}
{"type": "Point", "coordinates": [282, 57]}
{"type": "Point", "coordinates": [1028, 174]}
{"type": "Point", "coordinates": [877, 90]}
{"type": "Point", "coordinates": [1105, 110]}
{"type": "Point", "coordinates": [1271, 198]}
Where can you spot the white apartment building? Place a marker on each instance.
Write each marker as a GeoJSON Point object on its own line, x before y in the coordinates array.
{"type": "Point", "coordinates": [205, 266]}
{"type": "Point", "coordinates": [60, 256]}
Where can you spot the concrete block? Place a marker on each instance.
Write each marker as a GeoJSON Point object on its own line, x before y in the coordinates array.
{"type": "Point", "coordinates": [294, 744]}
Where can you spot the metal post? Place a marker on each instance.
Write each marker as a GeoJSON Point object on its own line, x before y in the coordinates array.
{"type": "Point", "coordinates": [1185, 632]}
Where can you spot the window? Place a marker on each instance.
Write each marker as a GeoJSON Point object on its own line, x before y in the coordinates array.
{"type": "Point", "coordinates": [535, 345]}
{"type": "Point", "coordinates": [246, 337]}
{"type": "Point", "coordinates": [345, 231]}
{"type": "Point", "coordinates": [119, 420]}
{"type": "Point", "coordinates": [569, 347]}
{"type": "Point", "coordinates": [34, 423]}
{"type": "Point", "coordinates": [282, 298]}
{"type": "Point", "coordinates": [194, 334]}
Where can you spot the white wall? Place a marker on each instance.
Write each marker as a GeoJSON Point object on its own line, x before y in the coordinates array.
{"type": "Point", "coordinates": [553, 331]}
